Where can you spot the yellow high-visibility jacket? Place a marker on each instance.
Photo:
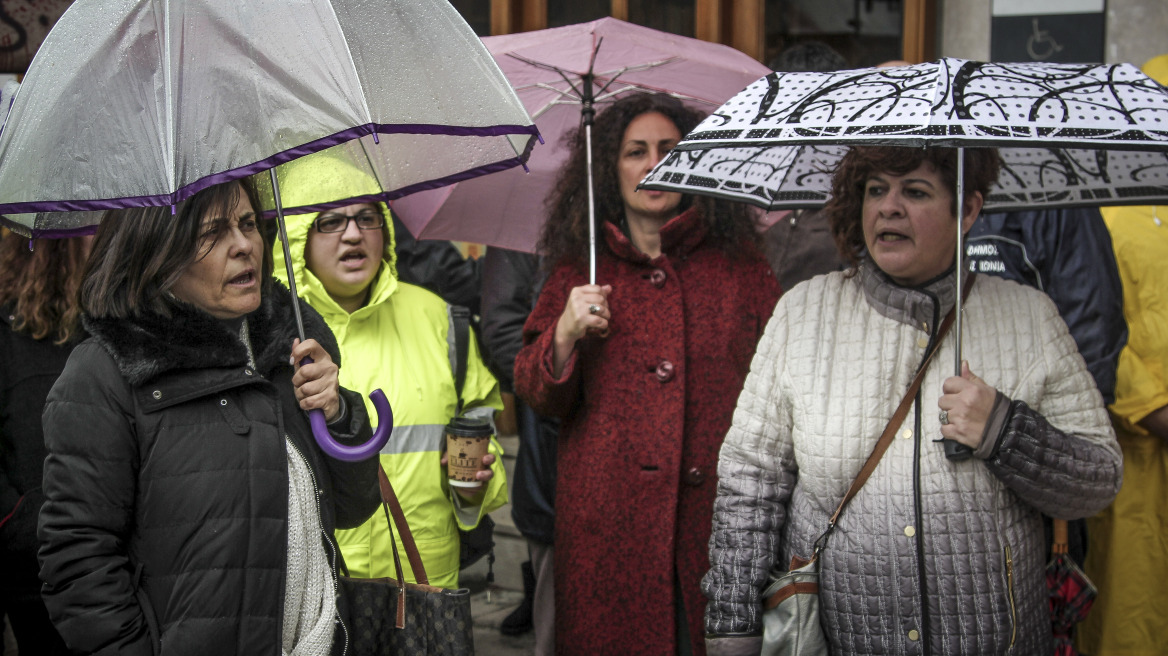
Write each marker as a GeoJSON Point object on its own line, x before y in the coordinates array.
{"type": "Point", "coordinates": [401, 342]}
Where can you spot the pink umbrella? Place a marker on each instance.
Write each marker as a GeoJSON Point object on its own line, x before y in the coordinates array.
{"type": "Point", "coordinates": [548, 69]}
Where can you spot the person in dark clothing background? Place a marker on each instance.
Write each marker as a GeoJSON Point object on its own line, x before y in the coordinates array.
{"type": "Point", "coordinates": [437, 266]}
{"type": "Point", "coordinates": [40, 323]}
{"type": "Point", "coordinates": [511, 282]}
{"type": "Point", "coordinates": [1067, 254]}
{"type": "Point", "coordinates": [798, 245]}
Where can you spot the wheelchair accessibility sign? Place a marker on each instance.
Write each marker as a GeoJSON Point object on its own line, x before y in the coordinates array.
{"type": "Point", "coordinates": [1057, 31]}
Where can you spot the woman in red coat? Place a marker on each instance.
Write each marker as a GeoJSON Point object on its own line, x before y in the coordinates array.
{"type": "Point", "coordinates": [645, 370]}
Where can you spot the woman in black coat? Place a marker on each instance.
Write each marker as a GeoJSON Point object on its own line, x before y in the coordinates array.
{"type": "Point", "coordinates": [40, 323]}
{"type": "Point", "coordinates": [188, 509]}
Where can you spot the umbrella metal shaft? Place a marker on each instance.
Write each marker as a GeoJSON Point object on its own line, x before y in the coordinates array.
{"type": "Point", "coordinates": [591, 204]}
{"type": "Point", "coordinates": [287, 253]}
{"type": "Point", "coordinates": [955, 450]}
{"type": "Point", "coordinates": [960, 259]}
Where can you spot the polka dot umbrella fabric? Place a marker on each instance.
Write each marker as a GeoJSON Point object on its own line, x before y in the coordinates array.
{"type": "Point", "coordinates": [1070, 134]}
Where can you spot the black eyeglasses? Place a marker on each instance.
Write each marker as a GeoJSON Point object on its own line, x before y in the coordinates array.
{"type": "Point", "coordinates": [333, 222]}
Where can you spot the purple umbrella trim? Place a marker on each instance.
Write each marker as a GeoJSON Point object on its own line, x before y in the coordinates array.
{"type": "Point", "coordinates": [286, 156]}
{"type": "Point", "coordinates": [21, 229]}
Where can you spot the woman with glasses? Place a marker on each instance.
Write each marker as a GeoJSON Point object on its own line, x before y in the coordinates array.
{"type": "Point", "coordinates": [394, 336]}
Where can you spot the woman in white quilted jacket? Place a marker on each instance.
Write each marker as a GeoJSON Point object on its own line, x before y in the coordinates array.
{"type": "Point", "coordinates": [933, 555]}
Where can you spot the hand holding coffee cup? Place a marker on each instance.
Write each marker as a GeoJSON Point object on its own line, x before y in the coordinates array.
{"type": "Point", "coordinates": [467, 461]}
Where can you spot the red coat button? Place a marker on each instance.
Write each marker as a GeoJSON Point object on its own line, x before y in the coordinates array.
{"type": "Point", "coordinates": [657, 278]}
{"type": "Point", "coordinates": [694, 477]}
{"type": "Point", "coordinates": [665, 371]}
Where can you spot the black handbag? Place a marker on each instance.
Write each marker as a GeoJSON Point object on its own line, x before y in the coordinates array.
{"type": "Point", "coordinates": [390, 616]}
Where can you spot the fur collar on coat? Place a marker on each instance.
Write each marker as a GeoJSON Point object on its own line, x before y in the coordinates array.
{"type": "Point", "coordinates": [149, 345]}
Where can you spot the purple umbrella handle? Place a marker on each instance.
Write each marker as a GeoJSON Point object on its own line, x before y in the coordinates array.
{"type": "Point", "coordinates": [367, 450]}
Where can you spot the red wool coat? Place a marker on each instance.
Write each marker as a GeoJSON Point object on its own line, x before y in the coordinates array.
{"type": "Point", "coordinates": [645, 413]}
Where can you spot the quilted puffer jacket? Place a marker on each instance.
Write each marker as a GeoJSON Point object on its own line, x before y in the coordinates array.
{"type": "Point", "coordinates": [932, 556]}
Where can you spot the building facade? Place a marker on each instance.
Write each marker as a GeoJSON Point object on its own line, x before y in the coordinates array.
{"type": "Point", "coordinates": [868, 32]}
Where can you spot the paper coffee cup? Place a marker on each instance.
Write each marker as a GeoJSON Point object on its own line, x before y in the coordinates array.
{"type": "Point", "coordinates": [467, 441]}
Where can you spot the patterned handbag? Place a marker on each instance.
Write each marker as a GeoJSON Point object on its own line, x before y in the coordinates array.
{"type": "Point", "coordinates": [387, 617]}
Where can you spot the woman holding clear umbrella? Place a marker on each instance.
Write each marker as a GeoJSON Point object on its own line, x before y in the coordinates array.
{"type": "Point", "coordinates": [644, 368]}
{"type": "Point", "coordinates": [933, 555]}
{"type": "Point", "coordinates": [188, 508]}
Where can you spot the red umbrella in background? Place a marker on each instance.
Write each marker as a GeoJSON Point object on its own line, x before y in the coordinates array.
{"type": "Point", "coordinates": [1071, 593]}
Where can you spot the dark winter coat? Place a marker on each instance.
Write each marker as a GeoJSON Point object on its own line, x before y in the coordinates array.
{"type": "Point", "coordinates": [645, 411]}
{"type": "Point", "coordinates": [28, 369]}
{"type": "Point", "coordinates": [164, 528]}
{"type": "Point", "coordinates": [800, 246]}
{"type": "Point", "coordinates": [437, 266]}
{"type": "Point", "coordinates": [511, 282]}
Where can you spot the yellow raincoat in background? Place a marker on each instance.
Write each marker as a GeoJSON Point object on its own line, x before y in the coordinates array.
{"type": "Point", "coordinates": [400, 342]}
{"type": "Point", "coordinates": [1127, 556]}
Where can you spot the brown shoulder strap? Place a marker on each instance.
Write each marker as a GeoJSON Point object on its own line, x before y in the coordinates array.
{"type": "Point", "coordinates": [389, 500]}
{"type": "Point", "coordinates": [900, 414]}
{"type": "Point", "coordinates": [389, 504]}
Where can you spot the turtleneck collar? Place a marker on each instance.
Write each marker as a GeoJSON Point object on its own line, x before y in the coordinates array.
{"type": "Point", "coordinates": [922, 306]}
{"type": "Point", "coordinates": [679, 236]}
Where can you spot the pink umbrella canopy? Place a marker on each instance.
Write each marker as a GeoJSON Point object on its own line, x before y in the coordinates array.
{"type": "Point", "coordinates": [546, 68]}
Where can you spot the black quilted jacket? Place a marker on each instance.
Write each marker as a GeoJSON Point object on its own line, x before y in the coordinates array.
{"type": "Point", "coordinates": [164, 529]}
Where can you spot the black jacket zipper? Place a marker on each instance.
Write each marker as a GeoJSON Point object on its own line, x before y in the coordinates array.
{"type": "Point", "coordinates": [925, 633]}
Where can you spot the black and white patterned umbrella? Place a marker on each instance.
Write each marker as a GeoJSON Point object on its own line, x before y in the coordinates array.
{"type": "Point", "coordinates": [1091, 134]}
{"type": "Point", "coordinates": [794, 177]}
{"type": "Point", "coordinates": [1070, 134]}
{"type": "Point", "coordinates": [951, 102]}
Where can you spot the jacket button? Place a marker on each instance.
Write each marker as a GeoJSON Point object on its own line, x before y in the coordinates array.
{"type": "Point", "coordinates": [922, 342]}
{"type": "Point", "coordinates": [657, 278]}
{"type": "Point", "coordinates": [910, 531]}
{"type": "Point", "coordinates": [906, 433]}
{"type": "Point", "coordinates": [157, 395]}
{"type": "Point", "coordinates": [665, 371]}
{"type": "Point", "coordinates": [914, 635]}
{"type": "Point", "coordinates": [694, 477]}
{"type": "Point", "coordinates": [223, 402]}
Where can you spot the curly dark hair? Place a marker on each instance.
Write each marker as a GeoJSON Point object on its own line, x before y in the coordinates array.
{"type": "Point", "coordinates": [39, 283]}
{"type": "Point", "coordinates": [565, 234]}
{"type": "Point", "coordinates": [845, 209]}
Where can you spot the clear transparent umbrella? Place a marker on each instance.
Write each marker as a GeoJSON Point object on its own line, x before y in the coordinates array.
{"type": "Point", "coordinates": [136, 103]}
